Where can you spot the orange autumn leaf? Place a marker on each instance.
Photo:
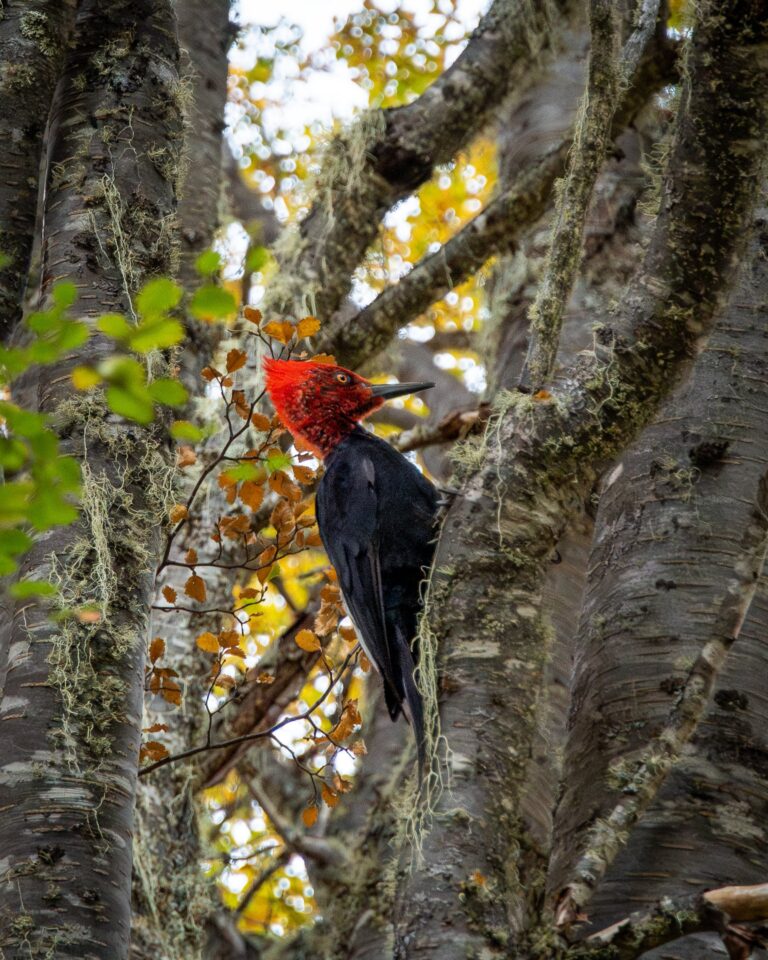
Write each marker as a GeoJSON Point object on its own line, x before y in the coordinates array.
{"type": "Point", "coordinates": [307, 327]}
{"type": "Point", "coordinates": [324, 358]}
{"type": "Point", "coordinates": [261, 422]}
{"type": "Point", "coordinates": [309, 816]}
{"type": "Point", "coordinates": [191, 556]}
{"type": "Point", "coordinates": [178, 512]}
{"type": "Point", "coordinates": [236, 359]}
{"type": "Point", "coordinates": [284, 486]}
{"type": "Point", "coordinates": [252, 315]}
{"type": "Point", "coordinates": [350, 718]}
{"type": "Point", "coordinates": [330, 797]}
{"type": "Point", "coordinates": [170, 594]}
{"type": "Point", "coordinates": [156, 649]}
{"type": "Point", "coordinates": [307, 641]}
{"type": "Point", "coordinates": [252, 494]}
{"type": "Point", "coordinates": [195, 588]}
{"type": "Point", "coordinates": [279, 330]}
{"type": "Point", "coordinates": [171, 692]}
{"type": "Point", "coordinates": [153, 750]}
{"type": "Point", "coordinates": [542, 395]}
{"type": "Point", "coordinates": [185, 457]}
{"type": "Point", "coordinates": [303, 474]}
{"type": "Point", "coordinates": [208, 642]}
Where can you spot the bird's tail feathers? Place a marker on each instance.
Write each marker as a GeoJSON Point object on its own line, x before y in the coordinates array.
{"type": "Point", "coordinates": [412, 704]}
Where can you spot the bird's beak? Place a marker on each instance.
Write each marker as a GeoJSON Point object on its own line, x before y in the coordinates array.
{"type": "Point", "coordinates": [387, 391]}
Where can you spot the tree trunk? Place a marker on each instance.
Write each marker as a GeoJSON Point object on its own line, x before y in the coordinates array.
{"type": "Point", "coordinates": [72, 700]}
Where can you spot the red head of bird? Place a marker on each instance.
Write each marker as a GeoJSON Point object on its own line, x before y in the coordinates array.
{"type": "Point", "coordinates": [321, 404]}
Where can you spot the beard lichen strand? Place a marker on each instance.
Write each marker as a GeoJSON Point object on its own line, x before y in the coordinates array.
{"type": "Point", "coordinates": [104, 567]}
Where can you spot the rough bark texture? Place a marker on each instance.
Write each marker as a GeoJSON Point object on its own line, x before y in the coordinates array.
{"type": "Point", "coordinates": [539, 461]}
{"type": "Point", "coordinates": [204, 36]}
{"type": "Point", "coordinates": [672, 515]}
{"type": "Point", "coordinates": [71, 698]}
{"type": "Point", "coordinates": [33, 41]}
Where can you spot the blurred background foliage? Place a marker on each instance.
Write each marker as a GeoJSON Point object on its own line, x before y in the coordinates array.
{"type": "Point", "coordinates": [291, 88]}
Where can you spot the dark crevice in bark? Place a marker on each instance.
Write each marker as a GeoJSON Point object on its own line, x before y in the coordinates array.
{"type": "Point", "coordinates": [33, 40]}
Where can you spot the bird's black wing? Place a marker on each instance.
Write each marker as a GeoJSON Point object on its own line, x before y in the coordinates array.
{"type": "Point", "coordinates": [347, 517]}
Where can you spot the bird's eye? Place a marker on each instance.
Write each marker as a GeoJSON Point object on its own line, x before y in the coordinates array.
{"type": "Point", "coordinates": [342, 378]}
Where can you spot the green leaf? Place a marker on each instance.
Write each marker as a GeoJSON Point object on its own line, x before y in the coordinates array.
{"type": "Point", "coordinates": [73, 334]}
{"type": "Point", "coordinates": [156, 334]}
{"type": "Point", "coordinates": [14, 502]}
{"type": "Point", "coordinates": [129, 403]}
{"type": "Point", "coordinates": [64, 295]}
{"type": "Point", "coordinates": [33, 588]}
{"type": "Point", "coordinates": [23, 422]}
{"type": "Point", "coordinates": [257, 259]}
{"type": "Point", "coordinates": [243, 471]}
{"type": "Point", "coordinates": [114, 325]}
{"type": "Point", "coordinates": [170, 392]}
{"type": "Point", "coordinates": [48, 508]}
{"type": "Point", "coordinates": [123, 371]}
{"type": "Point", "coordinates": [43, 321]}
{"type": "Point", "coordinates": [212, 303]}
{"type": "Point", "coordinates": [14, 541]}
{"type": "Point", "coordinates": [184, 430]}
{"type": "Point", "coordinates": [5, 260]}
{"type": "Point", "coordinates": [278, 461]}
{"type": "Point", "coordinates": [158, 297]}
{"type": "Point", "coordinates": [13, 454]}
{"type": "Point", "coordinates": [208, 263]}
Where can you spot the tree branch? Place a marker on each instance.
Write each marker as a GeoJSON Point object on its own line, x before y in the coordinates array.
{"type": "Point", "coordinates": [497, 228]}
{"type": "Point", "coordinates": [388, 154]}
{"type": "Point", "coordinates": [671, 919]}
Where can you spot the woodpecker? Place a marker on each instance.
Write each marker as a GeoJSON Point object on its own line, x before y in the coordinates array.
{"type": "Point", "coordinates": [375, 511]}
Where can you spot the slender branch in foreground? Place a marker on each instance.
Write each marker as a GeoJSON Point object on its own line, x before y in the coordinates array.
{"type": "Point", "coordinates": [593, 130]}
{"type": "Point", "coordinates": [670, 919]}
{"type": "Point", "coordinates": [455, 426]}
{"type": "Point", "coordinates": [259, 734]}
{"type": "Point", "coordinates": [295, 839]}
{"type": "Point", "coordinates": [607, 837]}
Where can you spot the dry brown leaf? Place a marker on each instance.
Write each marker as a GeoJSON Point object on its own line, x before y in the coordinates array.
{"type": "Point", "coordinates": [252, 315]}
{"type": "Point", "coordinates": [307, 641]}
{"type": "Point", "coordinates": [252, 494]}
{"type": "Point", "coordinates": [195, 588]}
{"type": "Point", "coordinates": [156, 649]}
{"type": "Point", "coordinates": [279, 330]}
{"type": "Point", "coordinates": [178, 512]}
{"type": "Point", "coordinates": [309, 816]}
{"type": "Point", "coordinates": [170, 594]}
{"type": "Point", "coordinates": [236, 359]}
{"type": "Point", "coordinates": [261, 422]}
{"type": "Point", "coordinates": [208, 642]}
{"type": "Point", "coordinates": [185, 457]}
{"type": "Point", "coordinates": [307, 327]}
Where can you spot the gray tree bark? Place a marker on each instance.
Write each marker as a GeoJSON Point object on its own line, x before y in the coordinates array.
{"type": "Point", "coordinates": [71, 701]}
